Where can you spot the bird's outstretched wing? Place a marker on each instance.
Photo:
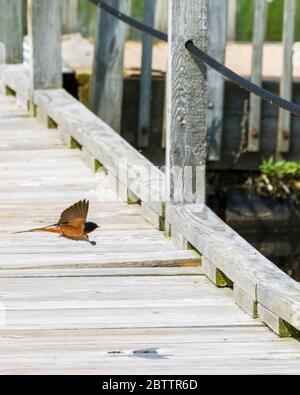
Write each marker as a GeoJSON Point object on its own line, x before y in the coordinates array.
{"type": "Point", "coordinates": [75, 215]}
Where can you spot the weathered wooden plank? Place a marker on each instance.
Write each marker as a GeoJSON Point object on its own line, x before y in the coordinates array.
{"type": "Point", "coordinates": [187, 103]}
{"type": "Point", "coordinates": [26, 159]}
{"type": "Point", "coordinates": [232, 10]}
{"type": "Point", "coordinates": [97, 260]}
{"type": "Point", "coordinates": [44, 29]}
{"type": "Point", "coordinates": [86, 339]}
{"type": "Point", "coordinates": [235, 336]}
{"type": "Point", "coordinates": [146, 361]}
{"type": "Point", "coordinates": [286, 82]}
{"type": "Point", "coordinates": [69, 11]}
{"type": "Point", "coordinates": [112, 272]}
{"type": "Point", "coordinates": [104, 291]}
{"type": "Point", "coordinates": [165, 112]}
{"type": "Point", "coordinates": [159, 317]}
{"type": "Point", "coordinates": [107, 81]}
{"type": "Point", "coordinates": [217, 39]}
{"type": "Point", "coordinates": [11, 29]}
{"type": "Point", "coordinates": [161, 15]}
{"type": "Point", "coordinates": [146, 78]}
{"type": "Point", "coordinates": [259, 31]}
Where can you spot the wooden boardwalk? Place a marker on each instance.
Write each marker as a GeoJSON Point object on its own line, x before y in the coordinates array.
{"type": "Point", "coordinates": [134, 303]}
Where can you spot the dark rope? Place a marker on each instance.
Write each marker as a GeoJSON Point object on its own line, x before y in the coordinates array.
{"type": "Point", "coordinates": [200, 55]}
{"type": "Point", "coordinates": [130, 21]}
{"type": "Point", "coordinates": [242, 82]}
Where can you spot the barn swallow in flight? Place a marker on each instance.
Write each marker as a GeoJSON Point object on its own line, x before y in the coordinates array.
{"type": "Point", "coordinates": [72, 223]}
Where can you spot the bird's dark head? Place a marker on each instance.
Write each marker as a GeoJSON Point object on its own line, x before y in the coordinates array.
{"type": "Point", "coordinates": [90, 227]}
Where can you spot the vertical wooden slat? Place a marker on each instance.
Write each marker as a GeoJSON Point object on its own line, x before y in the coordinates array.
{"type": "Point", "coordinates": [107, 82]}
{"type": "Point", "coordinates": [165, 110]}
{"type": "Point", "coordinates": [24, 18]}
{"type": "Point", "coordinates": [217, 38]}
{"type": "Point", "coordinates": [231, 29]}
{"type": "Point", "coordinates": [187, 103]}
{"type": "Point", "coordinates": [146, 78]}
{"type": "Point", "coordinates": [161, 23]}
{"type": "Point", "coordinates": [161, 15]}
{"type": "Point", "coordinates": [11, 29]}
{"type": "Point", "coordinates": [286, 83]}
{"type": "Point", "coordinates": [69, 9]}
{"type": "Point", "coordinates": [259, 32]}
{"type": "Point", "coordinates": [44, 28]}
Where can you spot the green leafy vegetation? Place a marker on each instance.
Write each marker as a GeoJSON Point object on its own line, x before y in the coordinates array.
{"type": "Point", "coordinates": [137, 9]}
{"type": "Point", "coordinates": [278, 179]}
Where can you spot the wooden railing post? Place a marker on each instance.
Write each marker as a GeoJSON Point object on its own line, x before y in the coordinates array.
{"type": "Point", "coordinates": [187, 103]}
{"type": "Point", "coordinates": [11, 29]}
{"type": "Point", "coordinates": [44, 29]}
{"type": "Point", "coordinates": [107, 81]}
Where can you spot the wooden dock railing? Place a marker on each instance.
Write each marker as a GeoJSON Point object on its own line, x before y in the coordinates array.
{"type": "Point", "coordinates": [260, 288]}
{"type": "Point", "coordinates": [107, 81]}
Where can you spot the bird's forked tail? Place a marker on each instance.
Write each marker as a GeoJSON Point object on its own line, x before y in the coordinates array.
{"type": "Point", "coordinates": [50, 228]}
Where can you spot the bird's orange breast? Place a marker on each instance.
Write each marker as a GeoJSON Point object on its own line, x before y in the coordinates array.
{"type": "Point", "coordinates": [72, 231]}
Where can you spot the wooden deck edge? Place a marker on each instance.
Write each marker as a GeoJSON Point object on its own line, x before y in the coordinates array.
{"type": "Point", "coordinates": [256, 280]}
